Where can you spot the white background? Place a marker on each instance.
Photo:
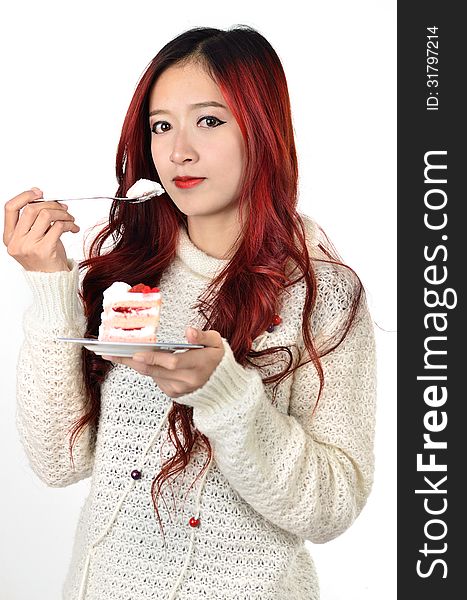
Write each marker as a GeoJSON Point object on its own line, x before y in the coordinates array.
{"type": "Point", "coordinates": [68, 73]}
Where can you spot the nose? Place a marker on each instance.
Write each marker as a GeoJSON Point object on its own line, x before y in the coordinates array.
{"type": "Point", "coordinates": [183, 149]}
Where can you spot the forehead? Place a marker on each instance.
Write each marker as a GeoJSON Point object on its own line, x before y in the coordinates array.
{"type": "Point", "coordinates": [183, 84]}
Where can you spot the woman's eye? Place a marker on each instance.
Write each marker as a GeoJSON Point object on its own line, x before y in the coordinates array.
{"type": "Point", "coordinates": [160, 127]}
{"type": "Point", "coordinates": [212, 121]}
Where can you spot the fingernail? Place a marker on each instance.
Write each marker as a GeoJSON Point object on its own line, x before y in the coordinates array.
{"type": "Point", "coordinates": [194, 332]}
{"type": "Point", "coordinates": [138, 358]}
{"type": "Point", "coordinates": [105, 357]}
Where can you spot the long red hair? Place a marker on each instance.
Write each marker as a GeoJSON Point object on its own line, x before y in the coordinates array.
{"type": "Point", "coordinates": [241, 302]}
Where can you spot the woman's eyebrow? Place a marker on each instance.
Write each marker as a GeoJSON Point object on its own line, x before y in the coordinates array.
{"type": "Point", "coordinates": [197, 105]}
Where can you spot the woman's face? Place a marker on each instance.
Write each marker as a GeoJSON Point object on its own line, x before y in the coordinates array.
{"type": "Point", "coordinates": [196, 141]}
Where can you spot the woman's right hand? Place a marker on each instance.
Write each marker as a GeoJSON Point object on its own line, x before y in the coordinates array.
{"type": "Point", "coordinates": [32, 237]}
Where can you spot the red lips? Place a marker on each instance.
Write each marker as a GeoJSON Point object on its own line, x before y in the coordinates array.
{"type": "Point", "coordinates": [187, 181]}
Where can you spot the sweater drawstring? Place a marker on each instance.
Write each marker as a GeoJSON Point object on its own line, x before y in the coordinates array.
{"type": "Point", "coordinates": [92, 549]}
{"type": "Point", "coordinates": [192, 537]}
{"type": "Point", "coordinates": [262, 340]}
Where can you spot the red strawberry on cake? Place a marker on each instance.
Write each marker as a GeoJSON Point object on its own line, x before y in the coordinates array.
{"type": "Point", "coordinates": [130, 314]}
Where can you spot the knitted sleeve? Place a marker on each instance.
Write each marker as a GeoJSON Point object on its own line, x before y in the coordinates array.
{"type": "Point", "coordinates": [308, 472]}
{"type": "Point", "coordinates": [50, 393]}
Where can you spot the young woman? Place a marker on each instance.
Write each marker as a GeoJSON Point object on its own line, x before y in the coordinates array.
{"type": "Point", "coordinates": [210, 468]}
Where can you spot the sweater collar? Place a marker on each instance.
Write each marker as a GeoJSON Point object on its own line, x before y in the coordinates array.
{"type": "Point", "coordinates": [195, 259]}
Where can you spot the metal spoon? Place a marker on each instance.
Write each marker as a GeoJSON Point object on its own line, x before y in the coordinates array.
{"type": "Point", "coordinates": [136, 200]}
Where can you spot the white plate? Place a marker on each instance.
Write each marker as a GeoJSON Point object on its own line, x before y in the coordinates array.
{"type": "Point", "coordinates": [127, 348]}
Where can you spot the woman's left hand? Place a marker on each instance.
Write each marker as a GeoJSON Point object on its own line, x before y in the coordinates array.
{"type": "Point", "coordinates": [179, 373]}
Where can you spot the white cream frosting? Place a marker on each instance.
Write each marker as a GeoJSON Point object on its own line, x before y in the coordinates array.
{"type": "Point", "coordinates": [109, 314]}
{"type": "Point", "coordinates": [125, 333]}
{"type": "Point", "coordinates": [119, 292]}
{"type": "Point", "coordinates": [144, 187]}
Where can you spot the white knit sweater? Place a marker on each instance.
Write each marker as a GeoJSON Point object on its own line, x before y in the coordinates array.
{"type": "Point", "coordinates": [280, 474]}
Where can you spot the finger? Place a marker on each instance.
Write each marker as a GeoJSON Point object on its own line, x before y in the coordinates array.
{"type": "Point", "coordinates": [121, 360]}
{"type": "Point", "coordinates": [210, 338]}
{"type": "Point", "coordinates": [13, 208]}
{"type": "Point", "coordinates": [38, 220]}
{"type": "Point", "coordinates": [159, 374]}
{"type": "Point", "coordinates": [168, 361]}
{"type": "Point", "coordinates": [156, 371]}
{"type": "Point", "coordinates": [163, 363]}
{"type": "Point", "coordinates": [43, 223]}
{"type": "Point", "coordinates": [56, 230]}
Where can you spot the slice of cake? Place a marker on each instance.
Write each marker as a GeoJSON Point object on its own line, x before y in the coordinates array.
{"type": "Point", "coordinates": [130, 314]}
